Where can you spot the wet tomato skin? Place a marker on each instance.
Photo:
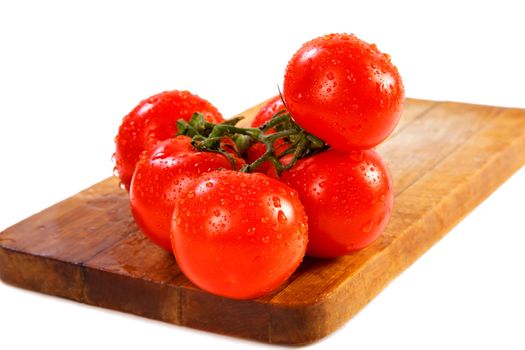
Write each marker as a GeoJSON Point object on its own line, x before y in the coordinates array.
{"type": "Point", "coordinates": [344, 91]}
{"type": "Point", "coordinates": [347, 197]}
{"type": "Point", "coordinates": [160, 175]}
{"type": "Point", "coordinates": [238, 235]}
{"type": "Point", "coordinates": [153, 120]}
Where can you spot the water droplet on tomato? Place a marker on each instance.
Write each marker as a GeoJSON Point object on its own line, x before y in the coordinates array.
{"type": "Point", "coordinates": [217, 212]}
{"type": "Point", "coordinates": [357, 156]}
{"type": "Point", "coordinates": [357, 128]}
{"type": "Point", "coordinates": [276, 202]}
{"type": "Point", "coordinates": [265, 219]}
{"type": "Point", "coordinates": [330, 76]}
{"type": "Point", "coordinates": [302, 228]}
{"type": "Point", "coordinates": [266, 239]}
{"type": "Point", "coordinates": [209, 184]}
{"type": "Point", "coordinates": [121, 186]}
{"type": "Point", "coordinates": [159, 155]}
{"type": "Point", "coordinates": [115, 171]}
{"type": "Point", "coordinates": [367, 227]}
{"type": "Point", "coordinates": [281, 217]}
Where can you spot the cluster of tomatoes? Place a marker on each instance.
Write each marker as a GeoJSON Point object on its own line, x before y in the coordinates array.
{"type": "Point", "coordinates": [240, 207]}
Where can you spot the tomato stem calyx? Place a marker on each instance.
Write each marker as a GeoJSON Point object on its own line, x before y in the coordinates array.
{"type": "Point", "coordinates": [281, 136]}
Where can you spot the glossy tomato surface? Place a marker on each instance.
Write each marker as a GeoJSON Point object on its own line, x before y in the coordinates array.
{"type": "Point", "coordinates": [153, 120]}
{"type": "Point", "coordinates": [348, 199]}
{"type": "Point", "coordinates": [238, 235]}
{"type": "Point", "coordinates": [161, 174]}
{"type": "Point", "coordinates": [344, 91]}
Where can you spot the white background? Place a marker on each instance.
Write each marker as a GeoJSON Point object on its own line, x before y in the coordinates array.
{"type": "Point", "coordinates": [69, 72]}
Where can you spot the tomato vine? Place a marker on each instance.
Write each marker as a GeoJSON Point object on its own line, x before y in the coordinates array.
{"type": "Point", "coordinates": [207, 136]}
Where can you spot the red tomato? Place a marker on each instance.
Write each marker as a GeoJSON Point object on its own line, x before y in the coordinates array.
{"type": "Point", "coordinates": [347, 197]}
{"type": "Point", "coordinates": [153, 120]}
{"type": "Point", "coordinates": [344, 91]}
{"type": "Point", "coordinates": [160, 176]}
{"type": "Point", "coordinates": [238, 235]}
{"type": "Point", "coordinates": [271, 108]}
{"type": "Point", "coordinates": [254, 152]}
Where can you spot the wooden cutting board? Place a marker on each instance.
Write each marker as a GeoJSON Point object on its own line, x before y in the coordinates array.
{"type": "Point", "coordinates": [445, 159]}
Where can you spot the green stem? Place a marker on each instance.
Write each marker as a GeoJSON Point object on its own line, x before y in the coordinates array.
{"type": "Point", "coordinates": [208, 137]}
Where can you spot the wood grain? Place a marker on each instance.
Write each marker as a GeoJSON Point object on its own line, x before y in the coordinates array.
{"type": "Point", "coordinates": [445, 159]}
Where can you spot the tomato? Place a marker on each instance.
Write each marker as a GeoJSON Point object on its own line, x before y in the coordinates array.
{"type": "Point", "coordinates": [347, 197]}
{"type": "Point", "coordinates": [238, 235]}
{"type": "Point", "coordinates": [254, 152]}
{"type": "Point", "coordinates": [153, 120]}
{"type": "Point", "coordinates": [160, 176]}
{"type": "Point", "coordinates": [271, 108]}
{"type": "Point", "coordinates": [343, 90]}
